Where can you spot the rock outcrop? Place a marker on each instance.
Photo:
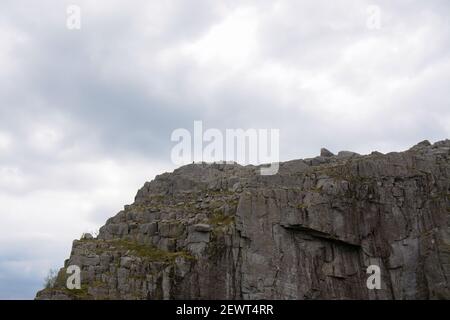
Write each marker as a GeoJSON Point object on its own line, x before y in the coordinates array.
{"type": "Point", "coordinates": [222, 231]}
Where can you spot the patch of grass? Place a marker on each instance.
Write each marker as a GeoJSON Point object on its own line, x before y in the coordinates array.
{"type": "Point", "coordinates": [151, 253]}
{"type": "Point", "coordinates": [78, 294]}
{"type": "Point", "coordinates": [98, 284]}
{"type": "Point", "coordinates": [219, 219]}
{"type": "Point", "coordinates": [345, 173]}
{"type": "Point", "coordinates": [445, 247]}
{"type": "Point", "coordinates": [157, 197]}
{"type": "Point", "coordinates": [221, 193]}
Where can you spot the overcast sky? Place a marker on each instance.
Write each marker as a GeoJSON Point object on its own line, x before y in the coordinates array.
{"type": "Point", "coordinates": [86, 115]}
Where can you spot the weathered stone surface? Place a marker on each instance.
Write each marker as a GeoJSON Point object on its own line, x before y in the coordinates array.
{"type": "Point", "coordinates": [346, 154]}
{"type": "Point", "coordinates": [422, 144]}
{"type": "Point", "coordinates": [202, 227]}
{"type": "Point", "coordinates": [222, 231]}
{"type": "Point", "coordinates": [326, 153]}
{"type": "Point", "coordinates": [87, 236]}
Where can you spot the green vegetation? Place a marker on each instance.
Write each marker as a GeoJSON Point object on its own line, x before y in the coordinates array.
{"type": "Point", "coordinates": [445, 247]}
{"type": "Point", "coordinates": [344, 172]}
{"type": "Point", "coordinates": [50, 279]}
{"type": "Point", "coordinates": [78, 294]}
{"type": "Point", "coordinates": [56, 281]}
{"type": "Point", "coordinates": [221, 193]}
{"type": "Point", "coordinates": [149, 252]}
{"type": "Point", "coordinates": [219, 219]}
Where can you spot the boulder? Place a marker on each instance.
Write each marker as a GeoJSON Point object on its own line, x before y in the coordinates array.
{"type": "Point", "coordinates": [326, 153]}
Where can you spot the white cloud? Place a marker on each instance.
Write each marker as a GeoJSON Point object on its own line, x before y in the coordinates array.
{"type": "Point", "coordinates": [5, 142]}
{"type": "Point", "coordinates": [86, 115]}
{"type": "Point", "coordinates": [45, 138]}
{"type": "Point", "coordinates": [232, 43]}
{"type": "Point", "coordinates": [11, 39]}
{"type": "Point", "coordinates": [11, 178]}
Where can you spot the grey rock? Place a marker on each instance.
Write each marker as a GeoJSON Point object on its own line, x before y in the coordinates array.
{"type": "Point", "coordinates": [236, 187]}
{"type": "Point", "coordinates": [125, 262]}
{"type": "Point", "coordinates": [222, 231]}
{"type": "Point", "coordinates": [87, 236]}
{"type": "Point", "coordinates": [346, 154]}
{"type": "Point", "coordinates": [318, 161]}
{"type": "Point", "coordinates": [326, 153]}
{"type": "Point", "coordinates": [197, 248]}
{"type": "Point", "coordinates": [196, 236]}
{"type": "Point", "coordinates": [149, 228]}
{"type": "Point", "coordinates": [91, 260]}
{"type": "Point", "coordinates": [420, 145]}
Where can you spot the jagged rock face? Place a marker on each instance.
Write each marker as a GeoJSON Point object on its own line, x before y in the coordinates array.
{"type": "Point", "coordinates": [215, 231]}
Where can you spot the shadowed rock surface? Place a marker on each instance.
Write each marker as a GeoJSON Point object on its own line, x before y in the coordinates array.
{"type": "Point", "coordinates": [222, 231]}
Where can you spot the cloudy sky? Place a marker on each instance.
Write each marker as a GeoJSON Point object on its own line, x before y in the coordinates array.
{"type": "Point", "coordinates": [86, 115]}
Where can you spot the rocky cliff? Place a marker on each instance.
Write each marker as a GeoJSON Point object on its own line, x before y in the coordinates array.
{"type": "Point", "coordinates": [223, 231]}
